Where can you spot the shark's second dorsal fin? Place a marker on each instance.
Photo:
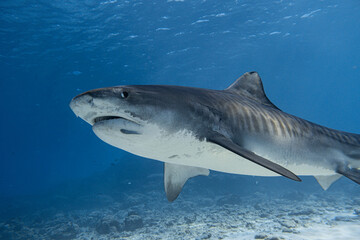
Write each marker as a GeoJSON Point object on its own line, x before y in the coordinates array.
{"type": "Point", "coordinates": [326, 181]}
{"type": "Point", "coordinates": [250, 85]}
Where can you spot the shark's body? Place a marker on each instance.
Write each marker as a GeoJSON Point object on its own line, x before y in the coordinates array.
{"type": "Point", "coordinates": [236, 130]}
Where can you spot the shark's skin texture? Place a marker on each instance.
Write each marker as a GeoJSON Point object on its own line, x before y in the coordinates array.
{"type": "Point", "coordinates": [236, 130]}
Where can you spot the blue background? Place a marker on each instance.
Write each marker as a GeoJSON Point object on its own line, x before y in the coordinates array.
{"type": "Point", "coordinates": [307, 53]}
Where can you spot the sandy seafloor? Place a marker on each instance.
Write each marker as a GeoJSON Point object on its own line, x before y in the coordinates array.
{"type": "Point", "coordinates": [208, 208]}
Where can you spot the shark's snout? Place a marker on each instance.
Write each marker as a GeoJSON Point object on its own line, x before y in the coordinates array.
{"type": "Point", "coordinates": [78, 102]}
{"type": "Point", "coordinates": [101, 105]}
{"type": "Point", "coordinates": [83, 107]}
{"type": "Point", "coordinates": [86, 100]}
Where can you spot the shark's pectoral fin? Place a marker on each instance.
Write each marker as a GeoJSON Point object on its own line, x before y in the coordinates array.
{"type": "Point", "coordinates": [351, 173]}
{"type": "Point", "coordinates": [326, 181]}
{"type": "Point", "coordinates": [227, 143]}
{"type": "Point", "coordinates": [175, 176]}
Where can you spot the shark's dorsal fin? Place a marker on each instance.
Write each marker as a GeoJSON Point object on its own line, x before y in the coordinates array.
{"type": "Point", "coordinates": [250, 85]}
{"type": "Point", "coordinates": [175, 176]}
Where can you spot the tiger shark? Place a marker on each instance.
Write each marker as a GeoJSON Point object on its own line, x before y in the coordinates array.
{"type": "Point", "coordinates": [236, 130]}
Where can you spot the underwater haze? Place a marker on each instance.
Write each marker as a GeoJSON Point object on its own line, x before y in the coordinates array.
{"type": "Point", "coordinates": [59, 181]}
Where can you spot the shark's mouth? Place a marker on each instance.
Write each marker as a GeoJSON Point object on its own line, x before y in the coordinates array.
{"type": "Point", "coordinates": [104, 118]}
{"type": "Point", "coordinates": [126, 126]}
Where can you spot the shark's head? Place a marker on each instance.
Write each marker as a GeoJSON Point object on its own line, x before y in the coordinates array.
{"type": "Point", "coordinates": [128, 117]}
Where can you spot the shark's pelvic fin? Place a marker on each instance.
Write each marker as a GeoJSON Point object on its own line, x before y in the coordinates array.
{"type": "Point", "coordinates": [175, 176]}
{"type": "Point", "coordinates": [326, 181]}
{"type": "Point", "coordinates": [250, 85]}
{"type": "Point", "coordinates": [227, 143]}
{"type": "Point", "coordinates": [351, 173]}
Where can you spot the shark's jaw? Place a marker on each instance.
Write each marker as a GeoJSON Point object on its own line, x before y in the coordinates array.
{"type": "Point", "coordinates": [105, 118]}
{"type": "Point", "coordinates": [122, 124]}
{"type": "Point", "coordinates": [117, 124]}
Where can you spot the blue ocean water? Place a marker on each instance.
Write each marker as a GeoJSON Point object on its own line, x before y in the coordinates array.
{"type": "Point", "coordinates": [306, 52]}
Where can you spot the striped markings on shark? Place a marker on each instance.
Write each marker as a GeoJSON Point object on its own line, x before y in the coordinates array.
{"type": "Point", "coordinates": [236, 130]}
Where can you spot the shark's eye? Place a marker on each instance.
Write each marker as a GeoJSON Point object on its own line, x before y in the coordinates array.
{"type": "Point", "coordinates": [124, 94]}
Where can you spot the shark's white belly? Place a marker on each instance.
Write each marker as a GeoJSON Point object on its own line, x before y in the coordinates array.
{"type": "Point", "coordinates": [183, 148]}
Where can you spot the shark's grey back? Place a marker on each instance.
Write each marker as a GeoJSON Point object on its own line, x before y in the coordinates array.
{"type": "Point", "coordinates": [245, 107]}
{"type": "Point", "coordinates": [250, 115]}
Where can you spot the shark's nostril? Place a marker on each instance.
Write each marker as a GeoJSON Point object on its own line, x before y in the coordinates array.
{"type": "Point", "coordinates": [85, 98]}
